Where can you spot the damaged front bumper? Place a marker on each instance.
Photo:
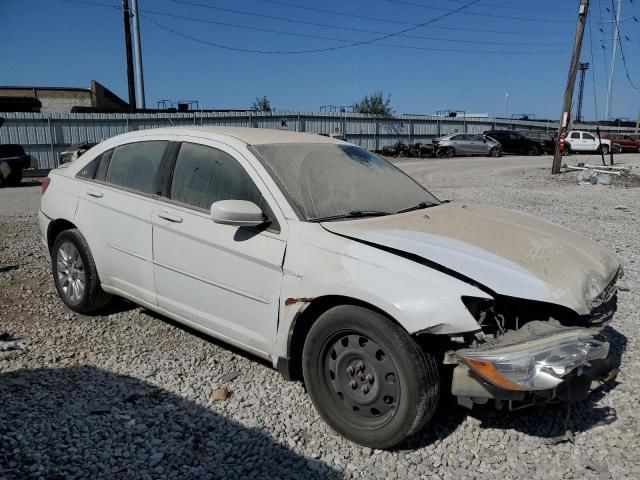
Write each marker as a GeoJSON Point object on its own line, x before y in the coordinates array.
{"type": "Point", "coordinates": [542, 361]}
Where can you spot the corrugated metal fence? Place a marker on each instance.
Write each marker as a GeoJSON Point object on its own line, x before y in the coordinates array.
{"type": "Point", "coordinates": [46, 135]}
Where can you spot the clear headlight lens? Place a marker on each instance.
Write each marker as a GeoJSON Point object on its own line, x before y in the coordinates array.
{"type": "Point", "coordinates": [538, 364]}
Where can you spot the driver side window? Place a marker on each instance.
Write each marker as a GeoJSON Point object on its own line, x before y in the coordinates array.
{"type": "Point", "coordinates": [204, 175]}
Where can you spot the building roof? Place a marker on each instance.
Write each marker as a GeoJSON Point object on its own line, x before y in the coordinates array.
{"type": "Point", "coordinates": [28, 87]}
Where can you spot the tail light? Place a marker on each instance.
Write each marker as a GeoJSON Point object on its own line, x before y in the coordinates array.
{"type": "Point", "coordinates": [45, 184]}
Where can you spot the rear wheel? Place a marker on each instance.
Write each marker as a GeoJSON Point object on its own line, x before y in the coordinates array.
{"type": "Point", "coordinates": [75, 274]}
{"type": "Point", "coordinates": [14, 179]}
{"type": "Point", "coordinates": [604, 149]}
{"type": "Point", "coordinates": [533, 150]}
{"type": "Point", "coordinates": [367, 378]}
{"type": "Point", "coordinates": [495, 152]}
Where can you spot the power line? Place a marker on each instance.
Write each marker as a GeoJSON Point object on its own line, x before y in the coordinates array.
{"type": "Point", "coordinates": [511, 7]}
{"type": "Point", "coordinates": [478, 14]}
{"type": "Point", "coordinates": [624, 60]}
{"type": "Point", "coordinates": [351, 44]}
{"type": "Point", "coordinates": [303, 22]}
{"type": "Point", "coordinates": [262, 29]}
{"type": "Point", "coordinates": [593, 71]}
{"type": "Point", "coordinates": [366, 17]}
{"type": "Point", "coordinates": [95, 4]}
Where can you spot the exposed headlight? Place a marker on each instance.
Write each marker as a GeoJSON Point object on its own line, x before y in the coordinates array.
{"type": "Point", "coordinates": [538, 364]}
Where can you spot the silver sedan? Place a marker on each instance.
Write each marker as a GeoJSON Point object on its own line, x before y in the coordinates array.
{"type": "Point", "coordinates": [466, 144]}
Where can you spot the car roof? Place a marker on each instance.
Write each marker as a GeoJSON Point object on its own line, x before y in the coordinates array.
{"type": "Point", "coordinates": [250, 136]}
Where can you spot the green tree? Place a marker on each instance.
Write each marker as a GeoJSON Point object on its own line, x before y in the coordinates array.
{"type": "Point", "coordinates": [261, 104]}
{"type": "Point", "coordinates": [374, 104]}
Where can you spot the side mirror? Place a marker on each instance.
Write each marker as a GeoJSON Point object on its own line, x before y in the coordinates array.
{"type": "Point", "coordinates": [240, 213]}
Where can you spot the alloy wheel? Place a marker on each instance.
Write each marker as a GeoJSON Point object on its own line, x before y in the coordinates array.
{"type": "Point", "coordinates": [71, 272]}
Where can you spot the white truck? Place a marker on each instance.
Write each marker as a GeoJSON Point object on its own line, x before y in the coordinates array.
{"type": "Point", "coordinates": [578, 141]}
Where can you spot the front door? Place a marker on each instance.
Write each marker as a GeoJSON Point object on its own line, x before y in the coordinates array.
{"type": "Point", "coordinates": [223, 278]}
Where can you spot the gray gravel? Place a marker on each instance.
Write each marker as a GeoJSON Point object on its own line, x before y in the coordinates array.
{"type": "Point", "coordinates": [130, 394]}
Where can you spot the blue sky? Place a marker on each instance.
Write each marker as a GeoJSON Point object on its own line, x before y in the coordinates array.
{"type": "Point", "coordinates": [61, 43]}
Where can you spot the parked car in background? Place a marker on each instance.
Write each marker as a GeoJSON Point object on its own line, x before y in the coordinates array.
{"type": "Point", "coordinates": [585, 142]}
{"type": "Point", "coordinates": [13, 160]}
{"type": "Point", "coordinates": [466, 144]}
{"type": "Point", "coordinates": [514, 142]}
{"type": "Point", "coordinates": [75, 151]}
{"type": "Point", "coordinates": [546, 139]}
{"type": "Point", "coordinates": [627, 142]}
{"type": "Point", "coordinates": [337, 267]}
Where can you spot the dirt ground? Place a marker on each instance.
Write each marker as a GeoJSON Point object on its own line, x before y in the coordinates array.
{"type": "Point", "coordinates": [129, 394]}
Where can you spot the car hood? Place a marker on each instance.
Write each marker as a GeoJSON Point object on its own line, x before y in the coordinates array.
{"type": "Point", "coordinates": [510, 253]}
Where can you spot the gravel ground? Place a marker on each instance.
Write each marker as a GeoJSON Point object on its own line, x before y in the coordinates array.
{"type": "Point", "coordinates": [130, 395]}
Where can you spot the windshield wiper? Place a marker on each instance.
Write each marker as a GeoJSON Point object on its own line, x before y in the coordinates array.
{"type": "Point", "coordinates": [420, 206]}
{"type": "Point", "coordinates": [352, 214]}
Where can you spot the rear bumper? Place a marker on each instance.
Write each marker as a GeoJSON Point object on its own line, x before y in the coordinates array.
{"type": "Point", "coordinates": [564, 365]}
{"type": "Point", "coordinates": [43, 223]}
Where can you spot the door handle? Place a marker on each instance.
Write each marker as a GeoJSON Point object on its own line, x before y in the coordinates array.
{"type": "Point", "coordinates": [94, 193]}
{"type": "Point", "coordinates": [169, 217]}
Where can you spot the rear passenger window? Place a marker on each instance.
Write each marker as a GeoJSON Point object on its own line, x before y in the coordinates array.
{"type": "Point", "coordinates": [89, 170]}
{"type": "Point", "coordinates": [103, 167]}
{"type": "Point", "coordinates": [135, 165]}
{"type": "Point", "coordinates": [204, 175]}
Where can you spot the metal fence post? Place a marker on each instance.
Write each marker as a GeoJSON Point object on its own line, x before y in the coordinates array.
{"type": "Point", "coordinates": [54, 160]}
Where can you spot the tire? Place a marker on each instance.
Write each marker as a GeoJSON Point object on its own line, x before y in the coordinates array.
{"type": "Point", "coordinates": [495, 152]}
{"type": "Point", "coordinates": [352, 345]}
{"type": "Point", "coordinates": [533, 151]}
{"type": "Point", "coordinates": [75, 274]}
{"type": "Point", "coordinates": [14, 179]}
{"type": "Point", "coordinates": [604, 149]}
{"type": "Point", "coordinates": [566, 151]}
{"type": "Point", "coordinates": [617, 149]}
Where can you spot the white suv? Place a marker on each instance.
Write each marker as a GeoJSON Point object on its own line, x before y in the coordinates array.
{"type": "Point", "coordinates": [337, 267]}
{"type": "Point", "coordinates": [578, 141]}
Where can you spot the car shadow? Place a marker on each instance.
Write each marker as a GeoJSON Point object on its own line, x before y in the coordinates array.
{"type": "Point", "coordinates": [551, 421]}
{"type": "Point", "coordinates": [28, 183]}
{"type": "Point", "coordinates": [84, 422]}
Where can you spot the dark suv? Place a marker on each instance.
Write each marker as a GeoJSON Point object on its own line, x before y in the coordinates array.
{"type": "Point", "coordinates": [546, 139]}
{"type": "Point", "coordinates": [514, 142]}
{"type": "Point", "coordinates": [13, 160]}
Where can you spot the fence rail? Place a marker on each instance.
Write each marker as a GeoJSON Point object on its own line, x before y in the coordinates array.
{"type": "Point", "coordinates": [45, 136]}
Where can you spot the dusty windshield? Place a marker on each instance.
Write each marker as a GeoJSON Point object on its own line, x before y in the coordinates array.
{"type": "Point", "coordinates": [327, 180]}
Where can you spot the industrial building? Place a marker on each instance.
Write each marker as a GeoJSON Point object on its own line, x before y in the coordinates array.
{"type": "Point", "coordinates": [96, 98]}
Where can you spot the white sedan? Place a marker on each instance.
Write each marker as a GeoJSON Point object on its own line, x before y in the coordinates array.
{"type": "Point", "coordinates": [337, 267]}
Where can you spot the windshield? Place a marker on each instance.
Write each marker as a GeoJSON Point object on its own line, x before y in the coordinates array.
{"type": "Point", "coordinates": [330, 180]}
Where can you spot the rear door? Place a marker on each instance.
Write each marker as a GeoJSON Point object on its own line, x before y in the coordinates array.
{"type": "Point", "coordinates": [477, 144]}
{"type": "Point", "coordinates": [589, 142]}
{"type": "Point", "coordinates": [114, 214]}
{"type": "Point", "coordinates": [222, 278]}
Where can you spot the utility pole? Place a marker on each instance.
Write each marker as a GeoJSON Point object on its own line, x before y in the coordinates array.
{"type": "Point", "coordinates": [571, 81]}
{"type": "Point", "coordinates": [137, 50]}
{"type": "Point", "coordinates": [127, 44]}
{"type": "Point", "coordinates": [506, 104]}
{"type": "Point", "coordinates": [583, 67]}
{"type": "Point", "coordinates": [614, 50]}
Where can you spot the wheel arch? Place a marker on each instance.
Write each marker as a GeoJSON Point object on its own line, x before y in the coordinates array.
{"type": "Point", "coordinates": [291, 366]}
{"type": "Point", "coordinates": [56, 227]}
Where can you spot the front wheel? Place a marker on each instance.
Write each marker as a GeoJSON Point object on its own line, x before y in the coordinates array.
{"type": "Point", "coordinates": [367, 377]}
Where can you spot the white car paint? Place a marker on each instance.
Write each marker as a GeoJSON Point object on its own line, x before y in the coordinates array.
{"type": "Point", "coordinates": [585, 142]}
{"type": "Point", "coordinates": [249, 290]}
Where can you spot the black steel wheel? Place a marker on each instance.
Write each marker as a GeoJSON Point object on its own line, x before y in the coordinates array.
{"type": "Point", "coordinates": [495, 152]}
{"type": "Point", "coordinates": [367, 377]}
{"type": "Point", "coordinates": [533, 151]}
